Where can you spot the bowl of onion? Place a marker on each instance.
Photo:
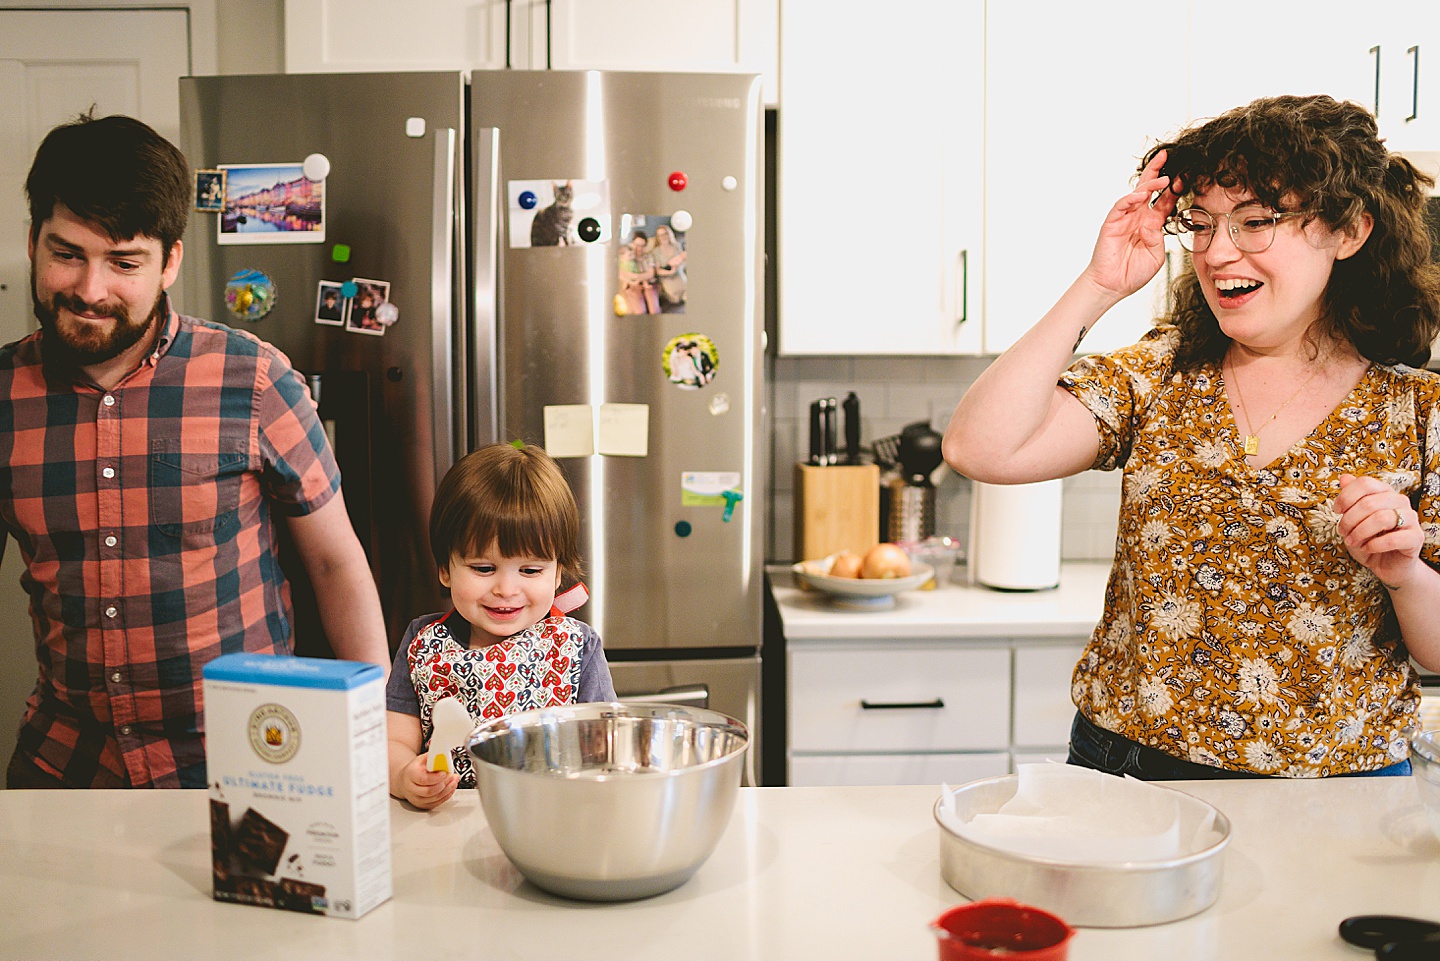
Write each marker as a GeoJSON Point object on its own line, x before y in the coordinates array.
{"type": "Point", "coordinates": [865, 581]}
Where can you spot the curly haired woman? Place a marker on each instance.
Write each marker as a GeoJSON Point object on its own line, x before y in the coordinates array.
{"type": "Point", "coordinates": [1279, 533]}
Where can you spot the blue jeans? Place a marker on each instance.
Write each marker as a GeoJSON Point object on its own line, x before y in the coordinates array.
{"type": "Point", "coordinates": [1094, 747]}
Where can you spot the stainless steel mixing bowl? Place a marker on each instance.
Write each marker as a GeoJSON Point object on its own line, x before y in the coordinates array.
{"type": "Point", "coordinates": [609, 802]}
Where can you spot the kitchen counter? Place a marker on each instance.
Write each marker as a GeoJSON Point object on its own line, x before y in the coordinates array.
{"type": "Point", "coordinates": [951, 610]}
{"type": "Point", "coordinates": [801, 873]}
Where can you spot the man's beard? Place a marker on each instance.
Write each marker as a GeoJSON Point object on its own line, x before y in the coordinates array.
{"type": "Point", "coordinates": [69, 350]}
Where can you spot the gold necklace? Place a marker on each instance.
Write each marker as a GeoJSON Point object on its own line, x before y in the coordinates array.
{"type": "Point", "coordinates": [1252, 437]}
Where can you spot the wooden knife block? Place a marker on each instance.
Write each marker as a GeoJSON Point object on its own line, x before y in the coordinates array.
{"type": "Point", "coordinates": [836, 508]}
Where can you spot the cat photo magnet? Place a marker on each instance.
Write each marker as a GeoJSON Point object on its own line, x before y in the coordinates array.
{"type": "Point", "coordinates": [560, 212]}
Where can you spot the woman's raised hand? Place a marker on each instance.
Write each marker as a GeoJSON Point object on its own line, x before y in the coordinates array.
{"type": "Point", "coordinates": [1131, 246]}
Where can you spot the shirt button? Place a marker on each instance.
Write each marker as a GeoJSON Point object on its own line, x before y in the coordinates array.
{"type": "Point", "coordinates": [109, 401]}
{"type": "Point", "coordinates": [116, 677]}
{"type": "Point", "coordinates": [111, 611]}
{"type": "Point", "coordinates": [110, 541]}
{"type": "Point", "coordinates": [108, 473]}
{"type": "Point", "coordinates": [125, 729]}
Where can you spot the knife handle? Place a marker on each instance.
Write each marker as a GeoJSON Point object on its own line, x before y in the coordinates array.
{"type": "Point", "coordinates": [832, 414]}
{"type": "Point", "coordinates": [816, 434]}
{"type": "Point", "coordinates": [852, 428]}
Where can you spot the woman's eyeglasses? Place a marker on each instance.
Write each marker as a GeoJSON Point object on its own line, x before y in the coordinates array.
{"type": "Point", "coordinates": [1252, 227]}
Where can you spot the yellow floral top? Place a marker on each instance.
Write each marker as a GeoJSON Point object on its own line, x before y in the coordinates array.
{"type": "Point", "coordinates": [1238, 632]}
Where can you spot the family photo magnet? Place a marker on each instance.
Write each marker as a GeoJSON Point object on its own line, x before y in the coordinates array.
{"type": "Point", "coordinates": [651, 269]}
{"type": "Point", "coordinates": [330, 304]}
{"type": "Point", "coordinates": [690, 361]}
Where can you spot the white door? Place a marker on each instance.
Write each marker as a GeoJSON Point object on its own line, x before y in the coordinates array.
{"type": "Point", "coordinates": [53, 66]}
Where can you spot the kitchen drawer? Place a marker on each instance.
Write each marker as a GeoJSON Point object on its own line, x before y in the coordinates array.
{"type": "Point", "coordinates": [1043, 709]}
{"type": "Point", "coordinates": [815, 770]}
{"type": "Point", "coordinates": [900, 700]}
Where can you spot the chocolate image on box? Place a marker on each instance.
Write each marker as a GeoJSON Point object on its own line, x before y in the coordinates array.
{"type": "Point", "coordinates": [220, 838]}
{"type": "Point", "coordinates": [258, 842]}
{"type": "Point", "coordinates": [295, 895]}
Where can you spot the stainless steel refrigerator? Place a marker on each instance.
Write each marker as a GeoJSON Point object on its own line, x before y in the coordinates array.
{"type": "Point", "coordinates": [496, 217]}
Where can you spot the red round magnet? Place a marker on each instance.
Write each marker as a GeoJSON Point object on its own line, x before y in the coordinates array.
{"type": "Point", "coordinates": [677, 180]}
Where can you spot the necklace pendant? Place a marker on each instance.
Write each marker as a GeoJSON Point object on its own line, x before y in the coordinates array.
{"type": "Point", "coordinates": [1252, 445]}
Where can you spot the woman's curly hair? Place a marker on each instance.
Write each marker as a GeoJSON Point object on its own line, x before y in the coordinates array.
{"type": "Point", "coordinates": [1322, 157]}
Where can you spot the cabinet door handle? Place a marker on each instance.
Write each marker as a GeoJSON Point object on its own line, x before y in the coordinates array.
{"type": "Point", "coordinates": [1376, 51]}
{"type": "Point", "coordinates": [934, 705]}
{"type": "Point", "coordinates": [963, 294]}
{"type": "Point", "coordinates": [1414, 53]}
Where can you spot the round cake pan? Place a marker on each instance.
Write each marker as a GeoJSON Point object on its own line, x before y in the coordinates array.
{"type": "Point", "coordinates": [1115, 895]}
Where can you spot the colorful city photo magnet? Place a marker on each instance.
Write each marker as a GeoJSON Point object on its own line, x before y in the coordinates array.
{"type": "Point", "coordinates": [690, 361]}
{"type": "Point", "coordinates": [271, 204]}
{"type": "Point", "coordinates": [250, 294]}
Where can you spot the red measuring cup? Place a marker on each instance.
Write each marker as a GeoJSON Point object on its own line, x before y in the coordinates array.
{"type": "Point", "coordinates": [1001, 928]}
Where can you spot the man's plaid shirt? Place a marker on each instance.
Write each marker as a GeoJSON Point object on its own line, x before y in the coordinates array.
{"type": "Point", "coordinates": [144, 516]}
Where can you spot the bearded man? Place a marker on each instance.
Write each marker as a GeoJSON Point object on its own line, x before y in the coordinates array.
{"type": "Point", "coordinates": [144, 458]}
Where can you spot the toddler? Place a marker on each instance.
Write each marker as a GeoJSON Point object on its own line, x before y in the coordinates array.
{"type": "Point", "coordinates": [504, 530]}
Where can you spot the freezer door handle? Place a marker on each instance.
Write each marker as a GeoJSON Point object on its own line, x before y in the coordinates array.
{"type": "Point", "coordinates": [484, 327]}
{"type": "Point", "coordinates": [443, 424]}
{"type": "Point", "coordinates": [686, 695]}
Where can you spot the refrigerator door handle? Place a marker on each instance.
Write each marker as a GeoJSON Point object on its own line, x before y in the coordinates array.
{"type": "Point", "coordinates": [442, 306]}
{"type": "Point", "coordinates": [687, 695]}
{"type": "Point", "coordinates": [485, 308]}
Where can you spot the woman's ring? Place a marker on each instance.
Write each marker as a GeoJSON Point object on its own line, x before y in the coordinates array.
{"type": "Point", "coordinates": [1399, 520]}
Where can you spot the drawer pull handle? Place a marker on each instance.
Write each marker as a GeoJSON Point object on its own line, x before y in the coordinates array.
{"type": "Point", "coordinates": [934, 705]}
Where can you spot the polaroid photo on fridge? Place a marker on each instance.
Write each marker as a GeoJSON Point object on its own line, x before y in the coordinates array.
{"type": "Point", "coordinates": [360, 312]}
{"type": "Point", "coordinates": [330, 304]}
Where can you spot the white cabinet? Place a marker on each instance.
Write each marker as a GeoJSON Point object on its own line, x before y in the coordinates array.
{"type": "Point", "coordinates": [880, 179]}
{"type": "Point", "coordinates": [1071, 104]}
{"type": "Point", "coordinates": [363, 36]}
{"type": "Point", "coordinates": [892, 711]}
{"type": "Point", "coordinates": [695, 36]}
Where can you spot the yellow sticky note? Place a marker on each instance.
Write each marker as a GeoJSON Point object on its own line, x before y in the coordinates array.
{"type": "Point", "coordinates": [569, 430]}
{"type": "Point", "coordinates": [624, 430]}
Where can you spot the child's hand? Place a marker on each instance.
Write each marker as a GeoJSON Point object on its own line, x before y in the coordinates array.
{"type": "Point", "coordinates": [426, 789]}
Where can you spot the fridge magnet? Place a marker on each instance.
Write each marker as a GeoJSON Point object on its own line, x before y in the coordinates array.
{"type": "Point", "coordinates": [330, 304]}
{"type": "Point", "coordinates": [690, 361]}
{"type": "Point", "coordinates": [700, 488]}
{"type": "Point", "coordinates": [558, 213]}
{"type": "Point", "coordinates": [271, 204]}
{"type": "Point", "coordinates": [249, 294]}
{"type": "Point", "coordinates": [651, 261]}
{"type": "Point", "coordinates": [361, 311]}
{"type": "Point", "coordinates": [210, 190]}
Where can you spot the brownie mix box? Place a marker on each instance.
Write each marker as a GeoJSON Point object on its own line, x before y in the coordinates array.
{"type": "Point", "coordinates": [299, 784]}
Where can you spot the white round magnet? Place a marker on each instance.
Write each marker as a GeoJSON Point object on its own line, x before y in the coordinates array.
{"type": "Point", "coordinates": [729, 183]}
{"type": "Point", "coordinates": [387, 313]}
{"type": "Point", "coordinates": [681, 220]}
{"type": "Point", "coordinates": [316, 166]}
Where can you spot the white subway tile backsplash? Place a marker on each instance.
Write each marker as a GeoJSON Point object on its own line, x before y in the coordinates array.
{"type": "Point", "coordinates": [893, 392]}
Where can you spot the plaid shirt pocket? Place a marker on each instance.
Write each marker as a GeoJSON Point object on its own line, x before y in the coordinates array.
{"type": "Point", "coordinates": [196, 493]}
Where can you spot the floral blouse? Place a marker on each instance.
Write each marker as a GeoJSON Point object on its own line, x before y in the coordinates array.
{"type": "Point", "coordinates": [1238, 631]}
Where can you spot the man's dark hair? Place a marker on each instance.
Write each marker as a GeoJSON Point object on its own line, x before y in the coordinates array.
{"type": "Point", "coordinates": [116, 173]}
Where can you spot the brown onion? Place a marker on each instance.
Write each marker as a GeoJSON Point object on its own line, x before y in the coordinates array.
{"type": "Point", "coordinates": [885, 560]}
{"type": "Point", "coordinates": [846, 564]}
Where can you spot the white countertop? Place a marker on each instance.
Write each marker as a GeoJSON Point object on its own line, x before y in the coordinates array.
{"type": "Point", "coordinates": [951, 610]}
{"type": "Point", "coordinates": [801, 873]}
